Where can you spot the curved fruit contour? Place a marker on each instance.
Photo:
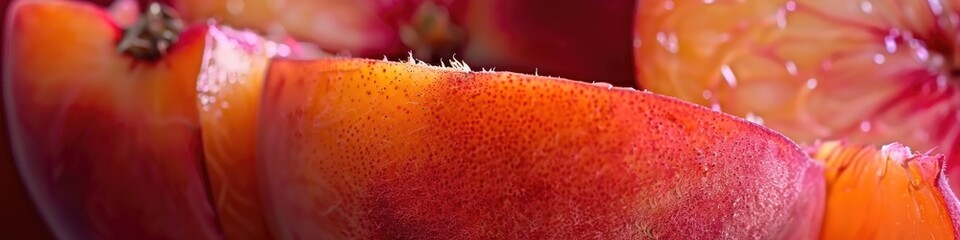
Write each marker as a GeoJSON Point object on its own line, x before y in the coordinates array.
{"type": "Point", "coordinates": [370, 149]}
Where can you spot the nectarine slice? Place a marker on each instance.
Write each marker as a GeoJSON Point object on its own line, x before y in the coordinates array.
{"type": "Point", "coordinates": [228, 87]}
{"type": "Point", "coordinates": [354, 149]}
{"type": "Point", "coordinates": [108, 144]}
{"type": "Point", "coordinates": [886, 193]}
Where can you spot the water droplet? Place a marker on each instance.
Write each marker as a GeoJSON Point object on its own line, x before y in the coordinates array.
{"type": "Point", "coordinates": [781, 19]}
{"type": "Point", "coordinates": [224, 105]}
{"type": "Point", "coordinates": [707, 94]}
{"type": "Point", "coordinates": [728, 75]}
{"type": "Point", "coordinates": [791, 6]}
{"type": "Point", "coordinates": [672, 43]}
{"type": "Point", "coordinates": [715, 107]}
{"type": "Point", "coordinates": [791, 68]}
{"type": "Point", "coordinates": [811, 83]}
{"type": "Point", "coordinates": [668, 5]}
{"type": "Point", "coordinates": [879, 58]}
{"type": "Point", "coordinates": [753, 118]}
{"type": "Point", "coordinates": [935, 7]}
{"type": "Point", "coordinates": [916, 176]}
{"type": "Point", "coordinates": [941, 82]}
{"type": "Point", "coordinates": [283, 50]}
{"type": "Point", "coordinates": [637, 42]}
{"type": "Point", "coordinates": [865, 126]}
{"type": "Point", "coordinates": [866, 7]}
{"type": "Point", "coordinates": [890, 42]}
{"type": "Point", "coordinates": [708, 1]}
{"type": "Point", "coordinates": [922, 54]}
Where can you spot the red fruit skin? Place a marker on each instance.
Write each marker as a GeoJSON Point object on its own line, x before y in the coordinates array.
{"type": "Point", "coordinates": [109, 146]}
{"type": "Point", "coordinates": [19, 218]}
{"type": "Point", "coordinates": [357, 149]}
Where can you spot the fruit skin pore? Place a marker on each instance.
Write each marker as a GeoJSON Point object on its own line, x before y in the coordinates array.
{"type": "Point", "coordinates": [369, 149]}
{"type": "Point", "coordinates": [109, 146]}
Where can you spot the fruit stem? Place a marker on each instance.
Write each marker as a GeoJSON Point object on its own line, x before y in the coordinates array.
{"type": "Point", "coordinates": [155, 30]}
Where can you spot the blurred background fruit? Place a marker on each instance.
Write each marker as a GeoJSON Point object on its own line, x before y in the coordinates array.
{"type": "Point", "coordinates": [584, 40]}
{"type": "Point", "coordinates": [872, 72]}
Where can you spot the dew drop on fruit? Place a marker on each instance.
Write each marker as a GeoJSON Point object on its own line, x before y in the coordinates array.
{"type": "Point", "coordinates": [890, 42]}
{"type": "Point", "coordinates": [707, 94]}
{"type": "Point", "coordinates": [753, 118]}
{"type": "Point", "coordinates": [866, 7]}
{"type": "Point", "coordinates": [781, 19]}
{"type": "Point", "coordinates": [935, 7]}
{"type": "Point", "coordinates": [791, 6]}
{"type": "Point", "coordinates": [728, 75]}
{"type": "Point", "coordinates": [879, 59]}
{"type": "Point", "coordinates": [811, 83]}
{"type": "Point", "coordinates": [791, 68]}
{"type": "Point", "coordinates": [865, 126]}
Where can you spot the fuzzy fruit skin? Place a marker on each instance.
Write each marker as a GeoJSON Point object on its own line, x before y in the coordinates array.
{"type": "Point", "coordinates": [870, 72]}
{"type": "Point", "coordinates": [228, 89]}
{"type": "Point", "coordinates": [370, 149]}
{"type": "Point", "coordinates": [109, 146]}
{"type": "Point", "coordinates": [886, 193]}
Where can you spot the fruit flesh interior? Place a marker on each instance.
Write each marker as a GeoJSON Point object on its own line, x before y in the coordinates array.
{"type": "Point", "coordinates": [108, 145]}
{"type": "Point", "coordinates": [228, 88]}
{"type": "Point", "coordinates": [886, 193]}
{"type": "Point", "coordinates": [356, 149]}
{"type": "Point", "coordinates": [870, 72]}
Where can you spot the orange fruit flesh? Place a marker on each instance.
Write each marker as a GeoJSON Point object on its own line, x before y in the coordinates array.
{"type": "Point", "coordinates": [887, 193]}
{"type": "Point", "coordinates": [108, 145]}
{"type": "Point", "coordinates": [228, 87]}
{"type": "Point", "coordinates": [369, 149]}
{"type": "Point", "coordinates": [871, 72]}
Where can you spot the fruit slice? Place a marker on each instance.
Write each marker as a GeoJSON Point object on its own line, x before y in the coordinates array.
{"type": "Point", "coordinates": [370, 149]}
{"type": "Point", "coordinates": [108, 144]}
{"type": "Point", "coordinates": [887, 193]}
{"type": "Point", "coordinates": [229, 86]}
{"type": "Point", "coordinates": [871, 72]}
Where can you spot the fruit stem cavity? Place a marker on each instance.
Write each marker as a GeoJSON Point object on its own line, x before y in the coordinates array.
{"type": "Point", "coordinates": [155, 30]}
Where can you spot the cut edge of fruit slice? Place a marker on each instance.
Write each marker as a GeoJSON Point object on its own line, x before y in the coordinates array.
{"type": "Point", "coordinates": [889, 191]}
